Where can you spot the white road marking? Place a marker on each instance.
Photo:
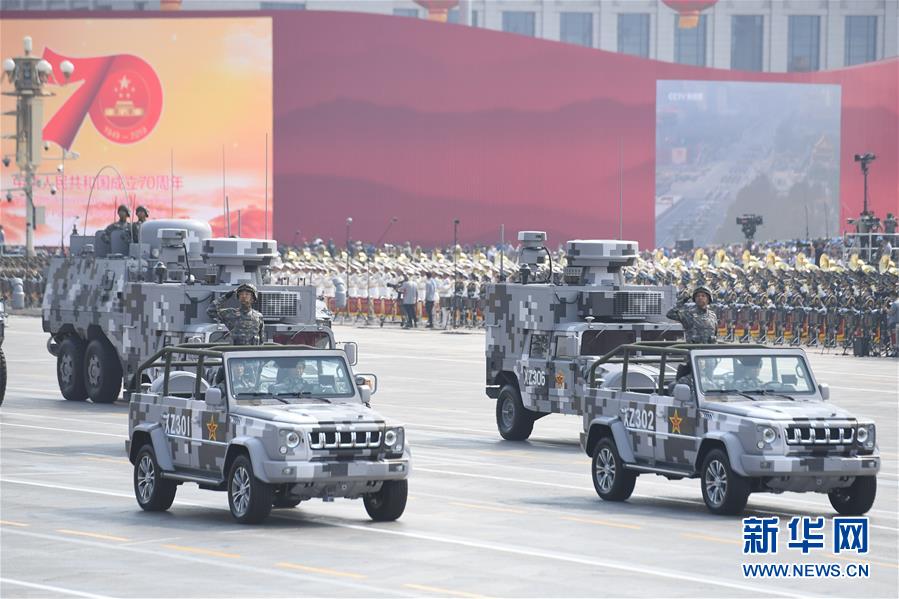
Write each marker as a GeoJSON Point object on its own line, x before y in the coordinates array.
{"type": "Point", "coordinates": [51, 588]}
{"type": "Point", "coordinates": [64, 430]}
{"type": "Point", "coordinates": [522, 551]}
{"type": "Point", "coordinates": [369, 590]}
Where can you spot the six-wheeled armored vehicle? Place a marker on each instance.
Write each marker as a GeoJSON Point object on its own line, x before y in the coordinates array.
{"type": "Point", "coordinates": [542, 337]}
{"type": "Point", "coordinates": [111, 304]}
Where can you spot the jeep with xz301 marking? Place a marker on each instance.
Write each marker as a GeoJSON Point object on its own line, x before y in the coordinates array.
{"type": "Point", "coordinates": [271, 425]}
{"type": "Point", "coordinates": [742, 419]}
{"type": "Point", "coordinates": [543, 335]}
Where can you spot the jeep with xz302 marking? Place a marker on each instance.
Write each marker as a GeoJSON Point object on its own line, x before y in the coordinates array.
{"type": "Point", "coordinates": [271, 425]}
{"type": "Point", "coordinates": [742, 419]}
{"type": "Point", "coordinates": [543, 335]}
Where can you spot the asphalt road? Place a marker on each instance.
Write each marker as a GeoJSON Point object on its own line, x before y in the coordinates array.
{"type": "Point", "coordinates": [485, 517]}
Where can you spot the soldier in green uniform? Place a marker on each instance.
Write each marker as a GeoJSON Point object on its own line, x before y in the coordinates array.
{"type": "Point", "coordinates": [293, 382]}
{"type": "Point", "coordinates": [242, 378]}
{"type": "Point", "coordinates": [245, 324]}
{"type": "Point", "coordinates": [699, 322]}
{"type": "Point", "coordinates": [121, 224]}
{"type": "Point", "coordinates": [142, 215]}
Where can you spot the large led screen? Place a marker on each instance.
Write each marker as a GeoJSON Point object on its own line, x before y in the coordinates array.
{"type": "Point", "coordinates": [176, 110]}
{"type": "Point", "coordinates": [728, 148]}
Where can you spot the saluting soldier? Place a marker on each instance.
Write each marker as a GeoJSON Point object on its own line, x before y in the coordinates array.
{"type": "Point", "coordinates": [699, 322]}
{"type": "Point", "coordinates": [244, 323]}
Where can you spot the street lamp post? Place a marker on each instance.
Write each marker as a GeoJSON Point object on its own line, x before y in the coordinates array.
{"type": "Point", "coordinates": [29, 74]}
{"type": "Point", "coordinates": [456, 222]}
{"type": "Point", "coordinates": [349, 221]}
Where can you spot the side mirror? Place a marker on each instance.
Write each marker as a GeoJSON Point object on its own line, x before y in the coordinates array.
{"type": "Point", "coordinates": [365, 394]}
{"type": "Point", "coordinates": [367, 381]}
{"type": "Point", "coordinates": [683, 393]}
{"type": "Point", "coordinates": [214, 399]}
{"type": "Point", "coordinates": [824, 388]}
{"type": "Point", "coordinates": [566, 347]}
{"type": "Point", "coordinates": [352, 352]}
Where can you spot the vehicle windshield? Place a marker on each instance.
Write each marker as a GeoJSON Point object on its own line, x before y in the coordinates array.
{"type": "Point", "coordinates": [290, 379]}
{"type": "Point", "coordinates": [756, 374]}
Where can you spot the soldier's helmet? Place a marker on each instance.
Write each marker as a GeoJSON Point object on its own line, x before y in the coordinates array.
{"type": "Point", "coordinates": [143, 209]}
{"type": "Point", "coordinates": [248, 287]}
{"type": "Point", "coordinates": [702, 289]}
{"type": "Point", "coordinates": [125, 208]}
{"type": "Point", "coordinates": [750, 362]}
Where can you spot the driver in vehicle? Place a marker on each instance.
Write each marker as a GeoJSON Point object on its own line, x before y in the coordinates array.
{"type": "Point", "coordinates": [750, 368]}
{"type": "Point", "coordinates": [292, 381]}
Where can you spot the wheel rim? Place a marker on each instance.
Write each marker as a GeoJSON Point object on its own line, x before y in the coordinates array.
{"type": "Point", "coordinates": [66, 368]}
{"type": "Point", "coordinates": [240, 490]}
{"type": "Point", "coordinates": [604, 472]}
{"type": "Point", "coordinates": [508, 412]}
{"type": "Point", "coordinates": [93, 370]}
{"type": "Point", "coordinates": [716, 482]}
{"type": "Point", "coordinates": [146, 478]}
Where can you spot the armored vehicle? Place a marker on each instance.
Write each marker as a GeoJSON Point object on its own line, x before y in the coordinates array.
{"type": "Point", "coordinates": [2, 356]}
{"type": "Point", "coordinates": [542, 336]}
{"type": "Point", "coordinates": [271, 425]}
{"type": "Point", "coordinates": [111, 304]}
{"type": "Point", "coordinates": [743, 419]}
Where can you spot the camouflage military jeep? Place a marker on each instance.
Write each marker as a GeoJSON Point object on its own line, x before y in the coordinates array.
{"type": "Point", "coordinates": [743, 419]}
{"type": "Point", "coordinates": [271, 425]}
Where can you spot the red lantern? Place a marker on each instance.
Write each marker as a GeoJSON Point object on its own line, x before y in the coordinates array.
{"type": "Point", "coordinates": [688, 11]}
{"type": "Point", "coordinates": [438, 10]}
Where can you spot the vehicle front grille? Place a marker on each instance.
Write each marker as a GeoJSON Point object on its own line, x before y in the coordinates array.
{"type": "Point", "coordinates": [637, 303]}
{"type": "Point", "coordinates": [810, 436]}
{"type": "Point", "coordinates": [344, 439]}
{"type": "Point", "coordinates": [278, 304]}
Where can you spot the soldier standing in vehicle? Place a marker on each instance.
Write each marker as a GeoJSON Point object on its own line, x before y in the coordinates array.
{"type": "Point", "coordinates": [121, 224]}
{"type": "Point", "coordinates": [245, 324]}
{"type": "Point", "coordinates": [142, 215]}
{"type": "Point", "coordinates": [699, 322]}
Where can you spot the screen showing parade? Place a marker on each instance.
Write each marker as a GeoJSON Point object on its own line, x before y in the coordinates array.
{"type": "Point", "coordinates": [449, 298]}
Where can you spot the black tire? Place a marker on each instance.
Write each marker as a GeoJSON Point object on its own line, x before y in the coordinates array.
{"type": "Point", "coordinates": [249, 498]}
{"type": "Point", "coordinates": [153, 493]}
{"type": "Point", "coordinates": [724, 491]}
{"type": "Point", "coordinates": [513, 420]}
{"type": "Point", "coordinates": [857, 498]}
{"type": "Point", "coordinates": [612, 481]}
{"type": "Point", "coordinates": [70, 369]}
{"type": "Point", "coordinates": [2, 376]}
{"type": "Point", "coordinates": [389, 503]}
{"type": "Point", "coordinates": [102, 372]}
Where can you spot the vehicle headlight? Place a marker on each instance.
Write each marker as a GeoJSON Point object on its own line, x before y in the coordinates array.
{"type": "Point", "coordinates": [292, 439]}
{"type": "Point", "coordinates": [390, 438]}
{"type": "Point", "coordinates": [769, 434]}
{"type": "Point", "coordinates": [393, 439]}
{"type": "Point", "coordinates": [865, 435]}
